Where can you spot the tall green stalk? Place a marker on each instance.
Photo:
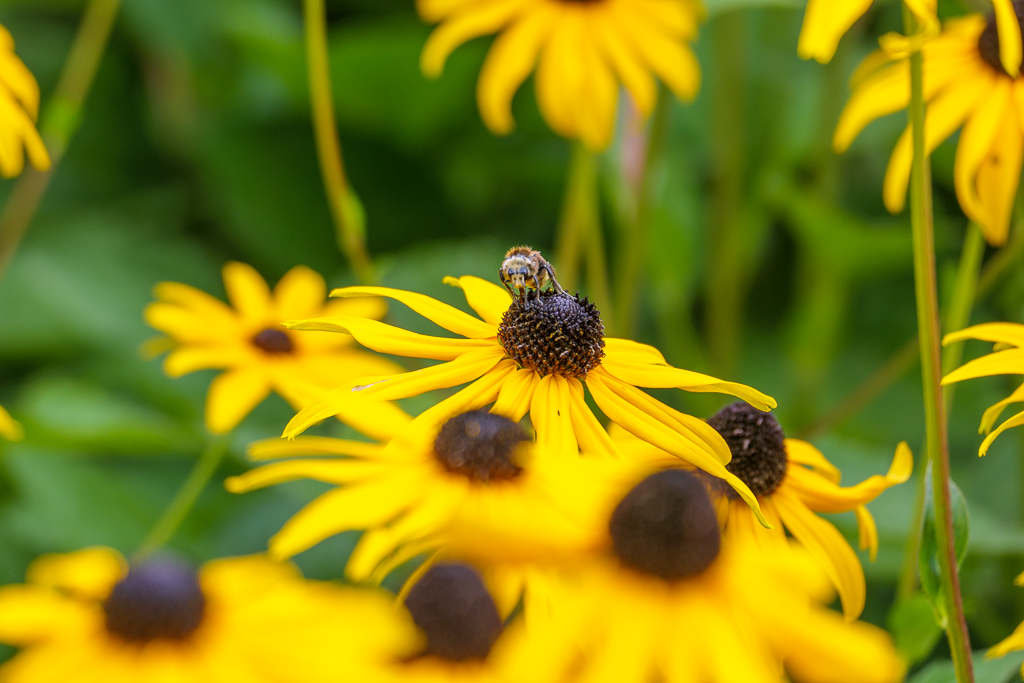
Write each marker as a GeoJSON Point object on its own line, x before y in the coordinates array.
{"type": "Point", "coordinates": [61, 118]}
{"type": "Point", "coordinates": [346, 209]}
{"type": "Point", "coordinates": [726, 280]}
{"type": "Point", "coordinates": [185, 499]}
{"type": "Point", "coordinates": [937, 444]}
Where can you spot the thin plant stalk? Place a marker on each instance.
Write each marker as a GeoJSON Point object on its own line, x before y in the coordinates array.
{"type": "Point", "coordinates": [725, 280]}
{"type": "Point", "coordinates": [184, 500]}
{"type": "Point", "coordinates": [636, 241]}
{"type": "Point", "coordinates": [346, 209]}
{"type": "Point", "coordinates": [580, 242]}
{"type": "Point", "coordinates": [62, 116]}
{"type": "Point", "coordinates": [958, 314]}
{"type": "Point", "coordinates": [936, 439]}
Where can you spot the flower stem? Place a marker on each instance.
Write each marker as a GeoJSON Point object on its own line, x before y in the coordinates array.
{"type": "Point", "coordinates": [937, 444]}
{"type": "Point", "coordinates": [637, 239]}
{"type": "Point", "coordinates": [185, 498]}
{"type": "Point", "coordinates": [346, 209]}
{"type": "Point", "coordinates": [580, 241]}
{"type": "Point", "coordinates": [61, 118]}
{"type": "Point", "coordinates": [726, 279]}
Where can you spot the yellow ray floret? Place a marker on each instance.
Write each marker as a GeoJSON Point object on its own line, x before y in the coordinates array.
{"type": "Point", "coordinates": [19, 107]}
{"type": "Point", "coordinates": [826, 21]}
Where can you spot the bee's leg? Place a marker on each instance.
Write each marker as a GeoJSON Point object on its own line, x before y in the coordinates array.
{"type": "Point", "coordinates": [536, 284]}
{"type": "Point", "coordinates": [501, 276]}
{"type": "Point", "coordinates": [551, 275]}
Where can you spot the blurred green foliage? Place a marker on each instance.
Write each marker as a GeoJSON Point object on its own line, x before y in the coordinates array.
{"type": "Point", "coordinates": [196, 148]}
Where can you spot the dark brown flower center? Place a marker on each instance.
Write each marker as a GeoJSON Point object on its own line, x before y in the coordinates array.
{"type": "Point", "coordinates": [553, 334]}
{"type": "Point", "coordinates": [988, 41]}
{"type": "Point", "coordinates": [480, 445]}
{"type": "Point", "coordinates": [159, 598]}
{"type": "Point", "coordinates": [758, 446]}
{"type": "Point", "coordinates": [453, 608]}
{"type": "Point", "coordinates": [273, 340]}
{"type": "Point", "coordinates": [666, 526]}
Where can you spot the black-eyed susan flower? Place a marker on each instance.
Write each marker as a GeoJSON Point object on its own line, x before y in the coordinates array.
{"type": "Point", "coordinates": [19, 107]}
{"type": "Point", "coordinates": [465, 639]}
{"type": "Point", "coordinates": [793, 481]}
{"type": "Point", "coordinates": [1007, 358]}
{"type": "Point", "coordinates": [582, 51]}
{"type": "Point", "coordinates": [10, 429]}
{"type": "Point", "coordinates": [87, 616]}
{"type": "Point", "coordinates": [258, 355]}
{"type": "Point", "coordinates": [476, 489]}
{"type": "Point", "coordinates": [1014, 642]}
{"type": "Point", "coordinates": [672, 600]}
{"type": "Point", "coordinates": [965, 84]}
{"type": "Point", "coordinates": [533, 354]}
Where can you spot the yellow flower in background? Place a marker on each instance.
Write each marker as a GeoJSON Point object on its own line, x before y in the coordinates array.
{"type": "Point", "coordinates": [1007, 358]}
{"type": "Point", "coordinates": [792, 481]}
{"type": "Point", "coordinates": [86, 616]}
{"type": "Point", "coordinates": [581, 49]}
{"type": "Point", "coordinates": [1014, 642]}
{"type": "Point", "coordinates": [964, 85]}
{"type": "Point", "coordinates": [827, 21]}
{"type": "Point", "coordinates": [477, 489]}
{"type": "Point", "coordinates": [9, 427]}
{"type": "Point", "coordinates": [247, 340]}
{"type": "Point", "coordinates": [674, 601]}
{"type": "Point", "coordinates": [532, 355]}
{"type": "Point", "coordinates": [19, 107]}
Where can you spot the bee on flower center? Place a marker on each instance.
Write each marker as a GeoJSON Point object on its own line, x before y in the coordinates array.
{"type": "Point", "coordinates": [524, 267]}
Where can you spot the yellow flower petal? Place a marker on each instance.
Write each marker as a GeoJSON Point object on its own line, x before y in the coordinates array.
{"type": "Point", "coordinates": [1008, 362]}
{"type": "Point", "coordinates": [828, 547]}
{"type": "Point", "coordinates": [1011, 643]}
{"type": "Point", "coordinates": [673, 61]}
{"type": "Point", "coordinates": [550, 414]}
{"type": "Point", "coordinates": [1009, 333]}
{"type": "Point", "coordinates": [516, 394]}
{"type": "Point", "coordinates": [592, 437]}
{"type": "Point", "coordinates": [269, 449]}
{"type": "Point", "coordinates": [885, 91]}
{"type": "Point", "coordinates": [976, 140]}
{"type": "Point", "coordinates": [186, 359]}
{"type": "Point", "coordinates": [385, 338]}
{"type": "Point", "coordinates": [509, 62]}
{"type": "Point", "coordinates": [486, 298]}
{"type": "Point", "coordinates": [452, 319]}
{"type": "Point", "coordinates": [867, 531]}
{"type": "Point", "coordinates": [331, 471]}
{"type": "Point", "coordinates": [993, 412]}
{"type": "Point", "coordinates": [1014, 421]}
{"type": "Point", "coordinates": [666, 377]}
{"type": "Point", "coordinates": [627, 63]}
{"type": "Point", "coordinates": [248, 293]}
{"type": "Point", "coordinates": [299, 294]}
{"type": "Point", "coordinates": [998, 178]}
{"type": "Point", "coordinates": [825, 22]}
{"type": "Point", "coordinates": [30, 614]}
{"type": "Point", "coordinates": [89, 573]}
{"type": "Point", "coordinates": [480, 393]}
{"type": "Point", "coordinates": [232, 396]}
{"type": "Point", "coordinates": [9, 427]}
{"type": "Point", "coordinates": [822, 495]}
{"type": "Point", "coordinates": [803, 453]}
{"type": "Point", "coordinates": [477, 20]}
{"type": "Point", "coordinates": [629, 350]}
{"type": "Point", "coordinates": [1008, 27]}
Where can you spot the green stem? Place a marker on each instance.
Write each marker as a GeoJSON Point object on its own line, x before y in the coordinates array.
{"type": "Point", "coordinates": [346, 209]}
{"type": "Point", "coordinates": [636, 241]}
{"type": "Point", "coordinates": [937, 445]}
{"type": "Point", "coordinates": [725, 281]}
{"type": "Point", "coordinates": [580, 240]}
{"type": "Point", "coordinates": [60, 121]}
{"type": "Point", "coordinates": [185, 499]}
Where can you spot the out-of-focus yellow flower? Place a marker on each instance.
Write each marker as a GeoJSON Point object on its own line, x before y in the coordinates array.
{"type": "Point", "coordinates": [1014, 642]}
{"type": "Point", "coordinates": [19, 107]}
{"type": "Point", "coordinates": [9, 427]}
{"type": "Point", "coordinates": [964, 84]}
{"type": "Point", "coordinates": [673, 601]}
{"type": "Point", "coordinates": [476, 489]}
{"type": "Point", "coordinates": [533, 355]}
{"type": "Point", "coordinates": [259, 355]}
{"type": "Point", "coordinates": [827, 21]}
{"type": "Point", "coordinates": [582, 50]}
{"type": "Point", "coordinates": [1007, 358]}
{"type": "Point", "coordinates": [792, 481]}
{"type": "Point", "coordinates": [85, 616]}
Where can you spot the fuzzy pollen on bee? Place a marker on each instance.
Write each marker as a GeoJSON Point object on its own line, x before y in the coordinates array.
{"type": "Point", "coordinates": [524, 268]}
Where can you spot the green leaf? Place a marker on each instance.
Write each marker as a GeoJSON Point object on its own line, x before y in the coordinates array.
{"type": "Point", "coordinates": [985, 670]}
{"type": "Point", "coordinates": [928, 563]}
{"type": "Point", "coordinates": [914, 628]}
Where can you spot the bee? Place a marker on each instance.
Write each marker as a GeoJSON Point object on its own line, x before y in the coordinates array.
{"type": "Point", "coordinates": [524, 267]}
